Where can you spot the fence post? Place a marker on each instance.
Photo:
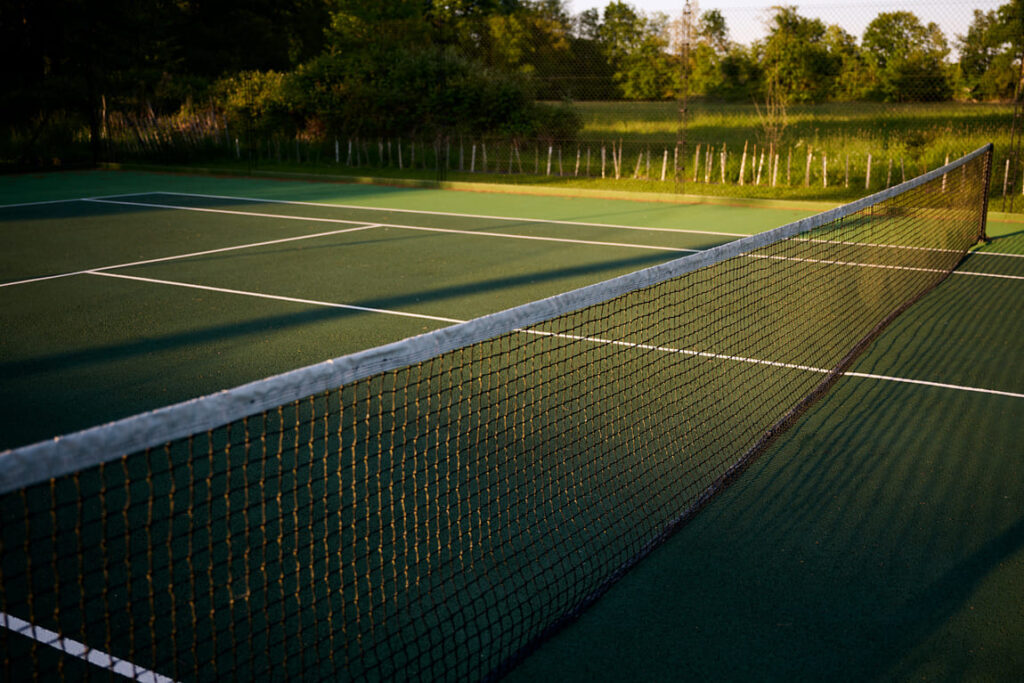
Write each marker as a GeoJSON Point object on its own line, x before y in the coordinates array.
{"type": "Point", "coordinates": [743, 163]}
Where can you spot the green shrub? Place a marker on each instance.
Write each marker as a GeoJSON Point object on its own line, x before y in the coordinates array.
{"type": "Point", "coordinates": [425, 90]}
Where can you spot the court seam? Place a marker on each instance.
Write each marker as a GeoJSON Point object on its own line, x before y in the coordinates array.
{"type": "Point", "coordinates": [596, 340]}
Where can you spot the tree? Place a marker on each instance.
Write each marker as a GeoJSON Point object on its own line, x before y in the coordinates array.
{"type": "Point", "coordinates": [795, 53]}
{"type": "Point", "coordinates": [535, 40]}
{"type": "Point", "coordinates": [713, 31]}
{"type": "Point", "coordinates": [907, 58]}
{"type": "Point", "coordinates": [587, 25]}
{"type": "Point", "coordinates": [990, 52]}
{"type": "Point", "coordinates": [62, 66]}
{"type": "Point", "coordinates": [636, 47]}
{"type": "Point", "coordinates": [853, 80]}
{"type": "Point", "coordinates": [718, 67]}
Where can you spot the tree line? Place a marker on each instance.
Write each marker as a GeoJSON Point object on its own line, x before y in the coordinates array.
{"type": "Point", "coordinates": [422, 67]}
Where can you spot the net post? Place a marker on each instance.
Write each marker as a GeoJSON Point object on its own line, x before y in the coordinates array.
{"type": "Point", "coordinates": [983, 223]}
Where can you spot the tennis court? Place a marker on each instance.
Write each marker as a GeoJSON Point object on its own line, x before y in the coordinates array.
{"type": "Point", "coordinates": [134, 321]}
{"type": "Point", "coordinates": [884, 525]}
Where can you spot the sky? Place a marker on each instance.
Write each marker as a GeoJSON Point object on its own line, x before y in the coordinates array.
{"type": "Point", "coordinates": [745, 18]}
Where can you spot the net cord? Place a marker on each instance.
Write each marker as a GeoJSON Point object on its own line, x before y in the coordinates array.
{"type": "Point", "coordinates": [38, 462]}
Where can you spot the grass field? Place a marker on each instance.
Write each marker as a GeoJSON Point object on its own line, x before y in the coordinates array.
{"type": "Point", "coordinates": [911, 137]}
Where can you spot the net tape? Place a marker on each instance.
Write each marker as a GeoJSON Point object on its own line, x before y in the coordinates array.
{"type": "Point", "coordinates": [434, 507]}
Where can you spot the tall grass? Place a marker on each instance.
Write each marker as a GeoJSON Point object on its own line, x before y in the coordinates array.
{"type": "Point", "coordinates": [902, 140]}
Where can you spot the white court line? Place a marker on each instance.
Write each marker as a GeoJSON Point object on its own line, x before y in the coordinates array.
{"type": "Point", "coordinates": [547, 221]}
{"type": "Point", "coordinates": [190, 255]}
{"type": "Point", "coordinates": [392, 225]}
{"type": "Point", "coordinates": [109, 198]}
{"type": "Point", "coordinates": [980, 274]}
{"type": "Point", "coordinates": [360, 225]}
{"type": "Point", "coordinates": [438, 230]}
{"type": "Point", "coordinates": [454, 214]}
{"type": "Point", "coordinates": [777, 364]}
{"type": "Point", "coordinates": [74, 199]}
{"type": "Point", "coordinates": [995, 253]}
{"type": "Point", "coordinates": [310, 219]}
{"type": "Point", "coordinates": [546, 239]}
{"type": "Point", "coordinates": [596, 340]}
{"type": "Point", "coordinates": [404, 227]}
{"type": "Point", "coordinates": [543, 239]}
{"type": "Point", "coordinates": [883, 266]}
{"type": "Point", "coordinates": [81, 651]}
{"type": "Point", "coordinates": [51, 201]}
{"type": "Point", "coordinates": [259, 295]}
{"type": "Point", "coordinates": [941, 385]}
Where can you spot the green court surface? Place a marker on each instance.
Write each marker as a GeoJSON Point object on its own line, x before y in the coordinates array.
{"type": "Point", "coordinates": [882, 538]}
{"type": "Point", "coordinates": [92, 347]}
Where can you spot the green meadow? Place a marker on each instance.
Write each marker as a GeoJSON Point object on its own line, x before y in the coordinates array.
{"type": "Point", "coordinates": [823, 154]}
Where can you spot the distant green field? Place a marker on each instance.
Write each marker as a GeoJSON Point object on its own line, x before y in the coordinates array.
{"type": "Point", "coordinates": [823, 155]}
{"type": "Point", "coordinates": [916, 137]}
{"type": "Point", "coordinates": [918, 131]}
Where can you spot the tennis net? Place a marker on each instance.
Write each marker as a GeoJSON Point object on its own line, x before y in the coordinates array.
{"type": "Point", "coordinates": [435, 507]}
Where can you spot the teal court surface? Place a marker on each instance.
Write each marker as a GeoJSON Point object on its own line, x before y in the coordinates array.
{"type": "Point", "coordinates": [126, 301]}
{"type": "Point", "coordinates": [880, 538]}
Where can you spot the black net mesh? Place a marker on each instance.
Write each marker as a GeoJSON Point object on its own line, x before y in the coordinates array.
{"type": "Point", "coordinates": [435, 521]}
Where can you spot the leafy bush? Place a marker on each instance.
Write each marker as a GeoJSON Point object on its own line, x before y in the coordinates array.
{"type": "Point", "coordinates": [261, 101]}
{"type": "Point", "coordinates": [424, 90]}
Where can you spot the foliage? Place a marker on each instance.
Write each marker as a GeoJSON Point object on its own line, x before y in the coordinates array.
{"type": "Point", "coordinates": [636, 47]}
{"type": "Point", "coordinates": [797, 55]}
{"type": "Point", "coordinates": [373, 67]}
{"type": "Point", "coordinates": [258, 102]}
{"type": "Point", "coordinates": [990, 52]}
{"type": "Point", "coordinates": [907, 58]}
